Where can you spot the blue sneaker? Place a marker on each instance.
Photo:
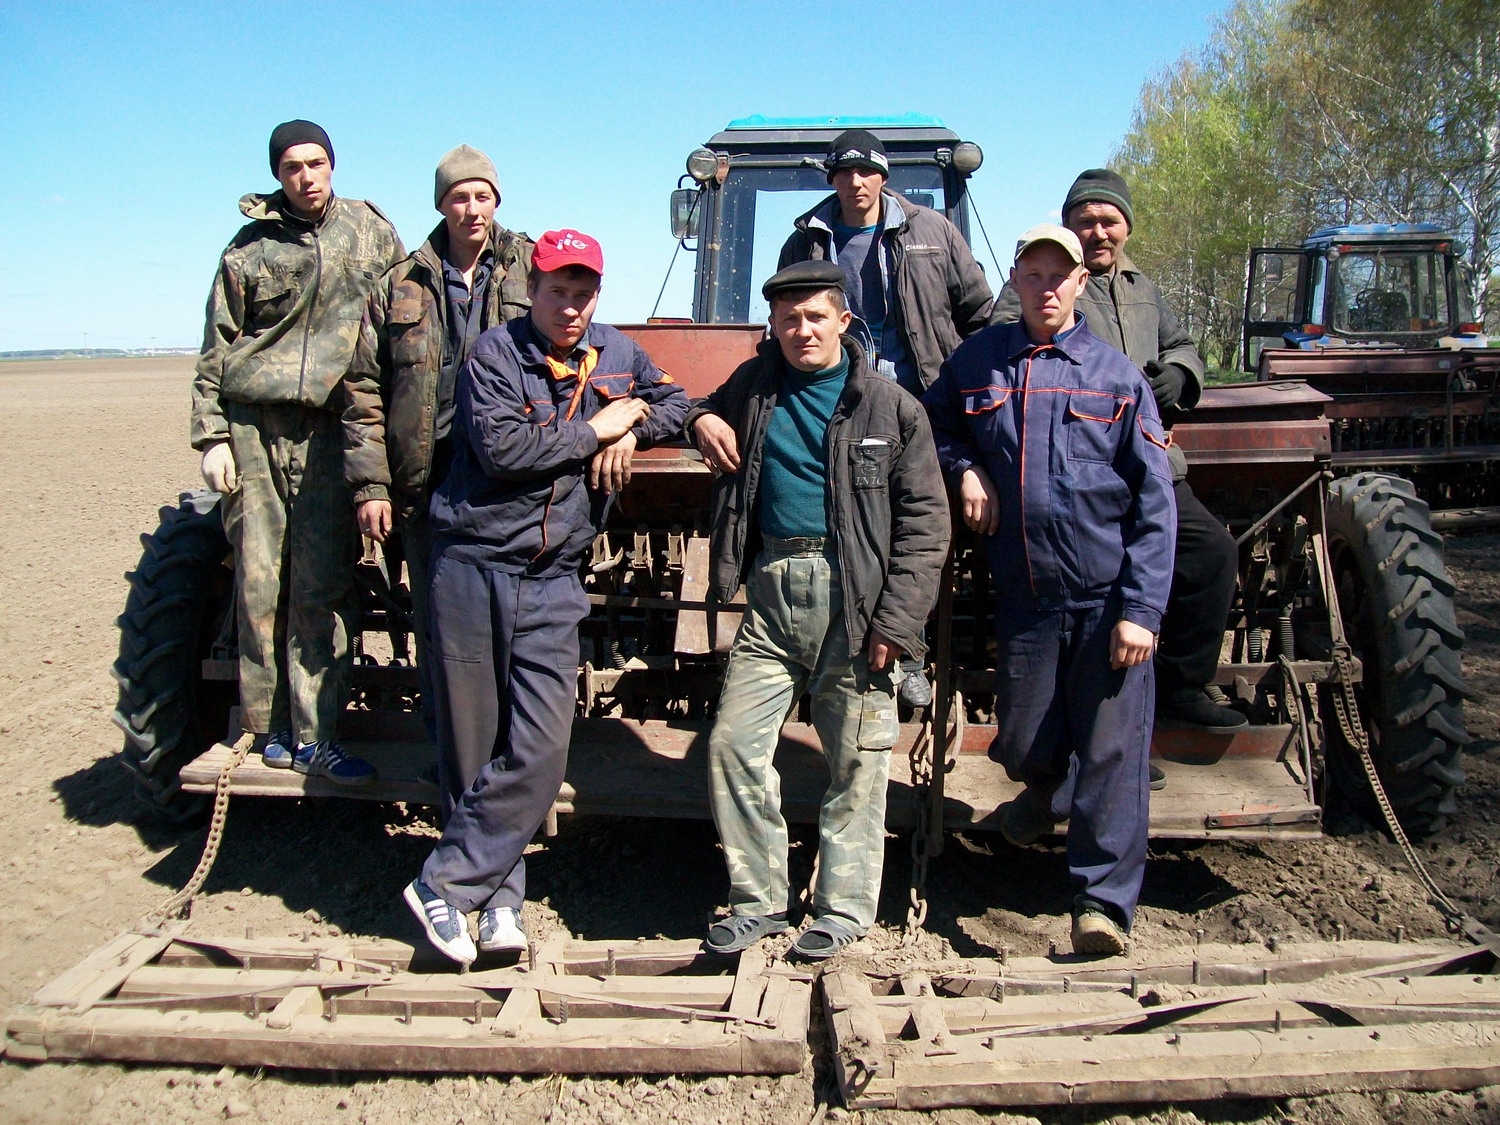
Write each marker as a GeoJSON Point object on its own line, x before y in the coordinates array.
{"type": "Point", "coordinates": [444, 923]}
{"type": "Point", "coordinates": [327, 759]}
{"type": "Point", "coordinates": [276, 751]}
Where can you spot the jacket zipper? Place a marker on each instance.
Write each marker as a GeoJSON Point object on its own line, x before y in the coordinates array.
{"type": "Point", "coordinates": [312, 310]}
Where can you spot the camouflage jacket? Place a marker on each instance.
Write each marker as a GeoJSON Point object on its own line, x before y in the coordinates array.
{"type": "Point", "coordinates": [284, 310]}
{"type": "Point", "coordinates": [391, 390]}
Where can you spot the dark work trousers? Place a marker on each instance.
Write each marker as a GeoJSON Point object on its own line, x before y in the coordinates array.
{"type": "Point", "coordinates": [1078, 734]}
{"type": "Point", "coordinates": [1203, 579]}
{"type": "Point", "coordinates": [506, 675]}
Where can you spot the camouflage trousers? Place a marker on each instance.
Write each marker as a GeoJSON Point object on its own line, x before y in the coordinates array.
{"type": "Point", "coordinates": [794, 638]}
{"type": "Point", "coordinates": [291, 524]}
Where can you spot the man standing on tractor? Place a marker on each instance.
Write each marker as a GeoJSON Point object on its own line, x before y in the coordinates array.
{"type": "Point", "coordinates": [1080, 555]}
{"type": "Point", "coordinates": [910, 280]}
{"type": "Point", "coordinates": [547, 413]}
{"type": "Point", "coordinates": [1125, 309]}
{"type": "Point", "coordinates": [421, 322]}
{"type": "Point", "coordinates": [831, 513]}
{"type": "Point", "coordinates": [282, 319]}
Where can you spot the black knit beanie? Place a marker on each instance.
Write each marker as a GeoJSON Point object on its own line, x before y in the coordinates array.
{"type": "Point", "coordinates": [298, 132]}
{"type": "Point", "coordinates": [1100, 185]}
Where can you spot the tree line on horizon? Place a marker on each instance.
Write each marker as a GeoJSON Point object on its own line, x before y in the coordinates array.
{"type": "Point", "coordinates": [1301, 114]}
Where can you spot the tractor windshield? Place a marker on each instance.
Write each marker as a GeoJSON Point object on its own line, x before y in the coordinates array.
{"type": "Point", "coordinates": [1389, 292]}
{"type": "Point", "coordinates": [760, 204]}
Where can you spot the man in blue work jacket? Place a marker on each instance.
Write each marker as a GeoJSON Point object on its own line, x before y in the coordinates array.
{"type": "Point", "coordinates": [549, 409]}
{"type": "Point", "coordinates": [1053, 443]}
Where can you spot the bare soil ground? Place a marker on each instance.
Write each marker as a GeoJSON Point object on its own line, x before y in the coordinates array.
{"type": "Point", "coordinates": [90, 450]}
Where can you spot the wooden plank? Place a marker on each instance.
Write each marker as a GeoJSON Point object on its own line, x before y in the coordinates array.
{"type": "Point", "coordinates": [1245, 1026]}
{"type": "Point", "coordinates": [749, 983]}
{"type": "Point", "coordinates": [1218, 787]}
{"type": "Point", "coordinates": [692, 624]}
{"type": "Point", "coordinates": [104, 970]}
{"type": "Point", "coordinates": [298, 1002]}
{"type": "Point", "coordinates": [1211, 1065]}
{"type": "Point", "coordinates": [338, 1006]}
{"type": "Point", "coordinates": [521, 1009]}
{"type": "Point", "coordinates": [927, 1014]}
{"type": "Point", "coordinates": [861, 1061]}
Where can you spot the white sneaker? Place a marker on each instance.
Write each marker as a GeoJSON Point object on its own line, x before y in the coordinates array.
{"type": "Point", "coordinates": [500, 930]}
{"type": "Point", "coordinates": [443, 922]}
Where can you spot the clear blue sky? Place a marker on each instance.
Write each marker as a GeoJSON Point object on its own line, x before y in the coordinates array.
{"type": "Point", "coordinates": [131, 130]}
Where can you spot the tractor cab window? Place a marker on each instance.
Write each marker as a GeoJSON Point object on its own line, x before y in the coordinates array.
{"type": "Point", "coordinates": [1388, 292]}
{"type": "Point", "coordinates": [758, 209]}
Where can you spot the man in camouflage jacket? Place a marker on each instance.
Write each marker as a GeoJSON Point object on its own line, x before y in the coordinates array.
{"type": "Point", "coordinates": [282, 319]}
{"type": "Point", "coordinates": [421, 321]}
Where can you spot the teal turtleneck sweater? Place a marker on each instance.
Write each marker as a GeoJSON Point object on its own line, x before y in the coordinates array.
{"type": "Point", "coordinates": [794, 463]}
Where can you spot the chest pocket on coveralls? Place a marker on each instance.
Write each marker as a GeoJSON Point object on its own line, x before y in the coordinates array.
{"type": "Point", "coordinates": [1093, 425]}
{"type": "Point", "coordinates": [982, 408]}
{"type": "Point", "coordinates": [612, 386]}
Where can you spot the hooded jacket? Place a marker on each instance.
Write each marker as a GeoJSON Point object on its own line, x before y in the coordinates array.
{"type": "Point", "coordinates": [1126, 310]}
{"type": "Point", "coordinates": [284, 311]}
{"type": "Point", "coordinates": [517, 498]}
{"type": "Point", "coordinates": [887, 507]}
{"type": "Point", "coordinates": [941, 296]}
{"type": "Point", "coordinates": [392, 387]}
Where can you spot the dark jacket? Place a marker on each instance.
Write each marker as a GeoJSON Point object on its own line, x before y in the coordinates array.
{"type": "Point", "coordinates": [391, 389]}
{"type": "Point", "coordinates": [517, 498]}
{"type": "Point", "coordinates": [887, 508]}
{"type": "Point", "coordinates": [941, 294]}
{"type": "Point", "coordinates": [1071, 439]}
{"type": "Point", "coordinates": [284, 310]}
{"type": "Point", "coordinates": [1126, 310]}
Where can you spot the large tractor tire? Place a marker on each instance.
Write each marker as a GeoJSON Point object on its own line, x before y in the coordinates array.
{"type": "Point", "coordinates": [181, 602]}
{"type": "Point", "coordinates": [1396, 600]}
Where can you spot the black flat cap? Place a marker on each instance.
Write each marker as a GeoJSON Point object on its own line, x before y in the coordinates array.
{"type": "Point", "coordinates": [804, 275]}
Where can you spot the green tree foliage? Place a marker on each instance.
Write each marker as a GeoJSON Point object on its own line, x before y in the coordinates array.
{"type": "Point", "coordinates": [1304, 113]}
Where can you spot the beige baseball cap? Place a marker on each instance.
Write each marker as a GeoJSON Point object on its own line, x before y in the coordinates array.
{"type": "Point", "coordinates": [1051, 232]}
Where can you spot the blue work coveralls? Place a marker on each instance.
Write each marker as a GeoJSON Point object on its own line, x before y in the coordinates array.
{"type": "Point", "coordinates": [511, 526]}
{"type": "Point", "coordinates": [1069, 434]}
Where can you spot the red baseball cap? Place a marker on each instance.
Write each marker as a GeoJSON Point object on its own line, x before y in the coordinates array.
{"type": "Point", "coordinates": [559, 248]}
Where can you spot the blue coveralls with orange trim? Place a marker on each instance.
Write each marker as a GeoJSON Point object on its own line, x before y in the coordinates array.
{"type": "Point", "coordinates": [1070, 436]}
{"type": "Point", "coordinates": [511, 526]}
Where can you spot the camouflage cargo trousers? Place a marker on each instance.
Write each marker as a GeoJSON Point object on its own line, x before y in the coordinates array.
{"type": "Point", "coordinates": [291, 524]}
{"type": "Point", "coordinates": [794, 638]}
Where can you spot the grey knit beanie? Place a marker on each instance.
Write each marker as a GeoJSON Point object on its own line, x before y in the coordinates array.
{"type": "Point", "coordinates": [460, 164]}
{"type": "Point", "coordinates": [1100, 185]}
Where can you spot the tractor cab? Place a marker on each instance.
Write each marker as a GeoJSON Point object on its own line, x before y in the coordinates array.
{"type": "Point", "coordinates": [1370, 285]}
{"type": "Point", "coordinates": [743, 190]}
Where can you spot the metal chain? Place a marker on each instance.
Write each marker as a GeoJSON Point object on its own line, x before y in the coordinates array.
{"type": "Point", "coordinates": [177, 906]}
{"type": "Point", "coordinates": [1347, 710]}
{"type": "Point", "coordinates": [920, 760]}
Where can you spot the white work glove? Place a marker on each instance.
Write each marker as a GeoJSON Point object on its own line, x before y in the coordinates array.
{"type": "Point", "coordinates": [219, 470]}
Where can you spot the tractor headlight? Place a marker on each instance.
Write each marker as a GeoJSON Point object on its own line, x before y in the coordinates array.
{"type": "Point", "coordinates": [702, 163]}
{"type": "Point", "coordinates": [967, 157]}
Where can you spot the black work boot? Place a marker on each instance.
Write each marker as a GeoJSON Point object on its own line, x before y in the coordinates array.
{"type": "Point", "coordinates": [1190, 708]}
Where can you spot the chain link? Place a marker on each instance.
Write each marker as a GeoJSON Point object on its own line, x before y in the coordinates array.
{"type": "Point", "coordinates": [1347, 710]}
{"type": "Point", "coordinates": [179, 904]}
{"type": "Point", "coordinates": [920, 760]}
